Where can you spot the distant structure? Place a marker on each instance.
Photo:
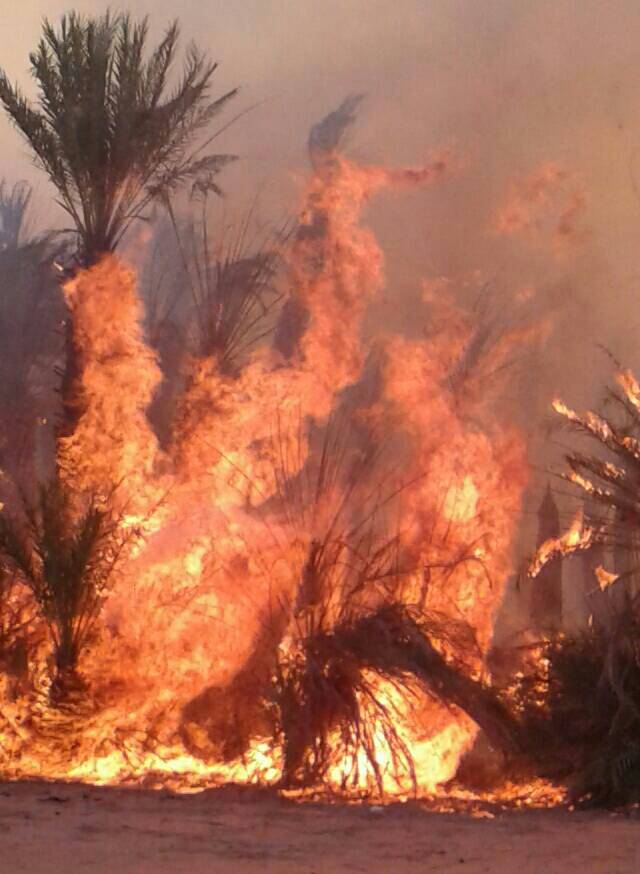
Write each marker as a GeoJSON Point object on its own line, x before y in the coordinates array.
{"type": "Point", "coordinates": [546, 589]}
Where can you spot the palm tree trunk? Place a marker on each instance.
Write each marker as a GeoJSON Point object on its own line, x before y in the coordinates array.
{"type": "Point", "coordinates": [71, 384]}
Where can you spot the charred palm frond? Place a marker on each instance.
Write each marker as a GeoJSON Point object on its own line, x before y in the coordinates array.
{"type": "Point", "coordinates": [67, 556]}
{"type": "Point", "coordinates": [107, 129]}
{"type": "Point", "coordinates": [331, 710]}
{"type": "Point", "coordinates": [233, 287]}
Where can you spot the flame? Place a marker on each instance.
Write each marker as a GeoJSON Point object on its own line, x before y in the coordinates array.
{"type": "Point", "coordinates": [578, 537]}
{"type": "Point", "coordinates": [461, 501]}
{"type": "Point", "coordinates": [545, 207]}
{"type": "Point", "coordinates": [605, 578]}
{"type": "Point", "coordinates": [190, 603]}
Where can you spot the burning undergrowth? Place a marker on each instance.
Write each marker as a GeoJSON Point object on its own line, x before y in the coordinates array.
{"type": "Point", "coordinates": [300, 600]}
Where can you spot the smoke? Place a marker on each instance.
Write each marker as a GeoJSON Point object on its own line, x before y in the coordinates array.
{"type": "Point", "coordinates": [519, 91]}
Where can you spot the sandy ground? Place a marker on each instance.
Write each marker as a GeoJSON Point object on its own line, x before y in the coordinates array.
{"type": "Point", "coordinates": [70, 828]}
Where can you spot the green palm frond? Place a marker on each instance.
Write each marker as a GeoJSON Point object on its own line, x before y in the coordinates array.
{"type": "Point", "coordinates": [66, 552]}
{"type": "Point", "coordinates": [107, 128]}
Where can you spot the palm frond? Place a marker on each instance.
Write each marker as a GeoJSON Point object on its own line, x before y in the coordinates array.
{"type": "Point", "coordinates": [106, 127]}
{"type": "Point", "coordinates": [66, 550]}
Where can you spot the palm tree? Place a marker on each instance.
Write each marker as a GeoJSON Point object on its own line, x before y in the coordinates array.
{"type": "Point", "coordinates": [67, 556]}
{"type": "Point", "coordinates": [107, 130]}
{"type": "Point", "coordinates": [30, 309]}
{"type": "Point", "coordinates": [112, 135]}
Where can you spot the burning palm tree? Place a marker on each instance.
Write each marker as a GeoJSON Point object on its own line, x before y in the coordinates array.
{"type": "Point", "coordinates": [107, 131]}
{"type": "Point", "coordinates": [348, 649]}
{"type": "Point", "coordinates": [110, 134]}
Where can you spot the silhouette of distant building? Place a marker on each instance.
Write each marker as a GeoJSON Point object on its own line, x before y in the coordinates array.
{"type": "Point", "coordinates": [546, 589]}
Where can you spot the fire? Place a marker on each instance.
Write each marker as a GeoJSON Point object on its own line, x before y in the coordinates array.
{"type": "Point", "coordinates": [113, 441]}
{"type": "Point", "coordinates": [605, 578]}
{"type": "Point", "coordinates": [218, 562]}
{"type": "Point", "coordinates": [548, 206]}
{"type": "Point", "coordinates": [461, 501]}
{"type": "Point", "coordinates": [578, 537]}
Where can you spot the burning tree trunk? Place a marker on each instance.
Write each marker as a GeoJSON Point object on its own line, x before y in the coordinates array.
{"type": "Point", "coordinates": [71, 381]}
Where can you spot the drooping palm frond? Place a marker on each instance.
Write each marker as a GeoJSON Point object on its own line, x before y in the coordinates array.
{"type": "Point", "coordinates": [107, 127]}
{"type": "Point", "coordinates": [342, 652]}
{"type": "Point", "coordinates": [67, 556]}
{"type": "Point", "coordinates": [333, 709]}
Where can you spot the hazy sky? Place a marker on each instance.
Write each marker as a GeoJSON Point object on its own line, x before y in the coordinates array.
{"type": "Point", "coordinates": [510, 84]}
